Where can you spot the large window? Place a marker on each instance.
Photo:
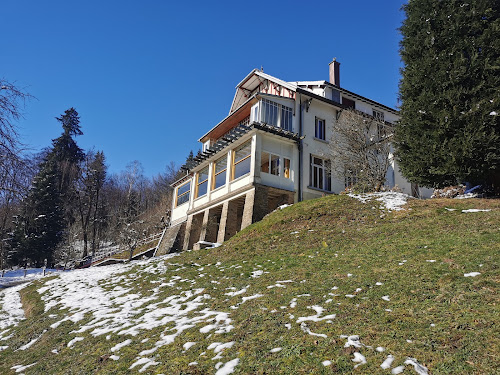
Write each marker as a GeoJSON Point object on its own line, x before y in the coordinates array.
{"type": "Point", "coordinates": [202, 182]}
{"type": "Point", "coordinates": [319, 129]}
{"type": "Point", "coordinates": [220, 170]}
{"type": "Point", "coordinates": [270, 163]}
{"type": "Point", "coordinates": [350, 177]}
{"type": "Point", "coordinates": [275, 114]}
{"type": "Point", "coordinates": [183, 192]}
{"type": "Point", "coordinates": [286, 118]}
{"type": "Point", "coordinates": [320, 175]}
{"type": "Point", "coordinates": [379, 116]}
{"type": "Point", "coordinates": [241, 160]}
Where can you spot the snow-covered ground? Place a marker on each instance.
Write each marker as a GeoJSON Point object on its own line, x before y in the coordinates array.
{"type": "Point", "coordinates": [392, 201]}
{"type": "Point", "coordinates": [105, 295]}
{"type": "Point", "coordinates": [13, 277]}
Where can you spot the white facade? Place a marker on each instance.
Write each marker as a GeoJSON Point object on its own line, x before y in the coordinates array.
{"type": "Point", "coordinates": [287, 124]}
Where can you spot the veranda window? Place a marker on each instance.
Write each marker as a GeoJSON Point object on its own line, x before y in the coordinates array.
{"type": "Point", "coordinates": [286, 168]}
{"type": "Point", "coordinates": [275, 114]}
{"type": "Point", "coordinates": [270, 163]}
{"type": "Point", "coordinates": [220, 170]}
{"type": "Point", "coordinates": [183, 192]}
{"type": "Point", "coordinates": [202, 185]}
{"type": "Point", "coordinates": [241, 160]}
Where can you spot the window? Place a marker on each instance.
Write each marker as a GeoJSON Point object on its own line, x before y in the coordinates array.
{"type": "Point", "coordinates": [275, 114]}
{"type": "Point", "coordinates": [183, 193]}
{"type": "Point", "coordinates": [379, 116]}
{"type": "Point", "coordinates": [350, 177]}
{"type": "Point", "coordinates": [286, 118]}
{"type": "Point", "coordinates": [220, 170]}
{"type": "Point", "coordinates": [320, 173]}
{"type": "Point", "coordinates": [202, 185]}
{"type": "Point", "coordinates": [270, 163]}
{"type": "Point", "coordinates": [319, 129]}
{"type": "Point", "coordinates": [348, 103]}
{"type": "Point", "coordinates": [286, 168]}
{"type": "Point", "coordinates": [241, 160]}
{"type": "Point", "coordinates": [270, 112]}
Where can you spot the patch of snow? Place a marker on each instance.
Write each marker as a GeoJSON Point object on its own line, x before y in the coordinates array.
{"type": "Point", "coordinates": [326, 363]}
{"type": "Point", "coordinates": [386, 298]}
{"type": "Point", "coordinates": [421, 370]}
{"type": "Point", "coordinates": [493, 113]}
{"type": "Point", "coordinates": [228, 367]}
{"type": "Point", "coordinates": [397, 370]}
{"type": "Point", "coordinates": [358, 357]}
{"type": "Point", "coordinates": [242, 291]}
{"type": "Point", "coordinates": [316, 318]}
{"type": "Point", "coordinates": [391, 200]}
{"type": "Point", "coordinates": [388, 362]}
{"type": "Point", "coordinates": [188, 345]}
{"type": "Point", "coordinates": [472, 274]}
{"type": "Point", "coordinates": [305, 328]}
{"type": "Point", "coordinates": [276, 350]}
{"type": "Point", "coordinates": [74, 341]}
{"type": "Point", "coordinates": [20, 368]}
{"type": "Point", "coordinates": [11, 312]}
{"type": "Point", "coordinates": [353, 340]}
{"type": "Point", "coordinates": [476, 210]}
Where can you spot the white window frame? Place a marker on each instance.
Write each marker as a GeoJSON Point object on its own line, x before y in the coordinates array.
{"type": "Point", "coordinates": [321, 172]}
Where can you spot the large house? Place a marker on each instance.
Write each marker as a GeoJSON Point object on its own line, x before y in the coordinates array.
{"type": "Point", "coordinates": [269, 151]}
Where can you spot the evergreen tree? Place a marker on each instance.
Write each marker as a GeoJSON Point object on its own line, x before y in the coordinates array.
{"type": "Point", "coordinates": [450, 90]}
{"type": "Point", "coordinates": [50, 205]}
{"type": "Point", "coordinates": [40, 227]}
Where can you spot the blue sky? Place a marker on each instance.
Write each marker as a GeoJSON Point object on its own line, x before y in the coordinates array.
{"type": "Point", "coordinates": [149, 77]}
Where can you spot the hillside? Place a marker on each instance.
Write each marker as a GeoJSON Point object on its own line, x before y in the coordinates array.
{"type": "Point", "coordinates": [333, 285]}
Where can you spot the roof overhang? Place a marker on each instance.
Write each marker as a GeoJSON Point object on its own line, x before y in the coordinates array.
{"type": "Point", "coordinates": [248, 86]}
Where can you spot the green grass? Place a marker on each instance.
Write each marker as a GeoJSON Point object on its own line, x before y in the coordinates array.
{"type": "Point", "coordinates": [336, 236]}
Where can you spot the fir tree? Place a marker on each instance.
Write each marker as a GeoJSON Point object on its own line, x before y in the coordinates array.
{"type": "Point", "coordinates": [50, 205]}
{"type": "Point", "coordinates": [450, 90]}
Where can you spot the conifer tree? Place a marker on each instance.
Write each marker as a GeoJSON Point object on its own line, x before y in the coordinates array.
{"type": "Point", "coordinates": [49, 207]}
{"type": "Point", "coordinates": [450, 91]}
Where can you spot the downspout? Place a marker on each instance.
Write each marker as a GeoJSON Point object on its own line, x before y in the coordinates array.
{"type": "Point", "coordinates": [299, 143]}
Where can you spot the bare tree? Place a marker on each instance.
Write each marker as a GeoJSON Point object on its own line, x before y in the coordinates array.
{"type": "Point", "coordinates": [360, 149]}
{"type": "Point", "coordinates": [12, 100]}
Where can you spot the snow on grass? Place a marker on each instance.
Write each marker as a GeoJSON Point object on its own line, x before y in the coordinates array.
{"type": "Point", "coordinates": [21, 368]}
{"type": "Point", "coordinates": [228, 367]}
{"type": "Point", "coordinates": [74, 341]}
{"type": "Point", "coordinates": [359, 358]}
{"type": "Point", "coordinates": [392, 201]}
{"type": "Point", "coordinates": [421, 370]}
{"type": "Point", "coordinates": [306, 329]}
{"type": "Point", "coordinates": [117, 347]}
{"type": "Point", "coordinates": [388, 362]}
{"type": "Point", "coordinates": [315, 318]}
{"type": "Point", "coordinates": [475, 210]}
{"type": "Point", "coordinates": [11, 312]}
{"type": "Point", "coordinates": [472, 274]}
{"type": "Point", "coordinates": [276, 350]}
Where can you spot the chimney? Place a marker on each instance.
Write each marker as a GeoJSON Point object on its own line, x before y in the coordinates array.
{"type": "Point", "coordinates": [335, 72]}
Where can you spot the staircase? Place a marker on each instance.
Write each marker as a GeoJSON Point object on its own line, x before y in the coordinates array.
{"type": "Point", "coordinates": [170, 240]}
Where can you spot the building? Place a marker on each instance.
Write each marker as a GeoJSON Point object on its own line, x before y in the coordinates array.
{"type": "Point", "coordinates": [269, 151]}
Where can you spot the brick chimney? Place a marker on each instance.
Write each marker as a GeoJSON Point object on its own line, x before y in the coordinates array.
{"type": "Point", "coordinates": [334, 68]}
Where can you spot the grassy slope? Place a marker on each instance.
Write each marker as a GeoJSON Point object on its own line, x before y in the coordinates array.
{"type": "Point", "coordinates": [336, 236]}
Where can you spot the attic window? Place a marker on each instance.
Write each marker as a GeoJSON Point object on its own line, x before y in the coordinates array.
{"type": "Point", "coordinates": [348, 102]}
